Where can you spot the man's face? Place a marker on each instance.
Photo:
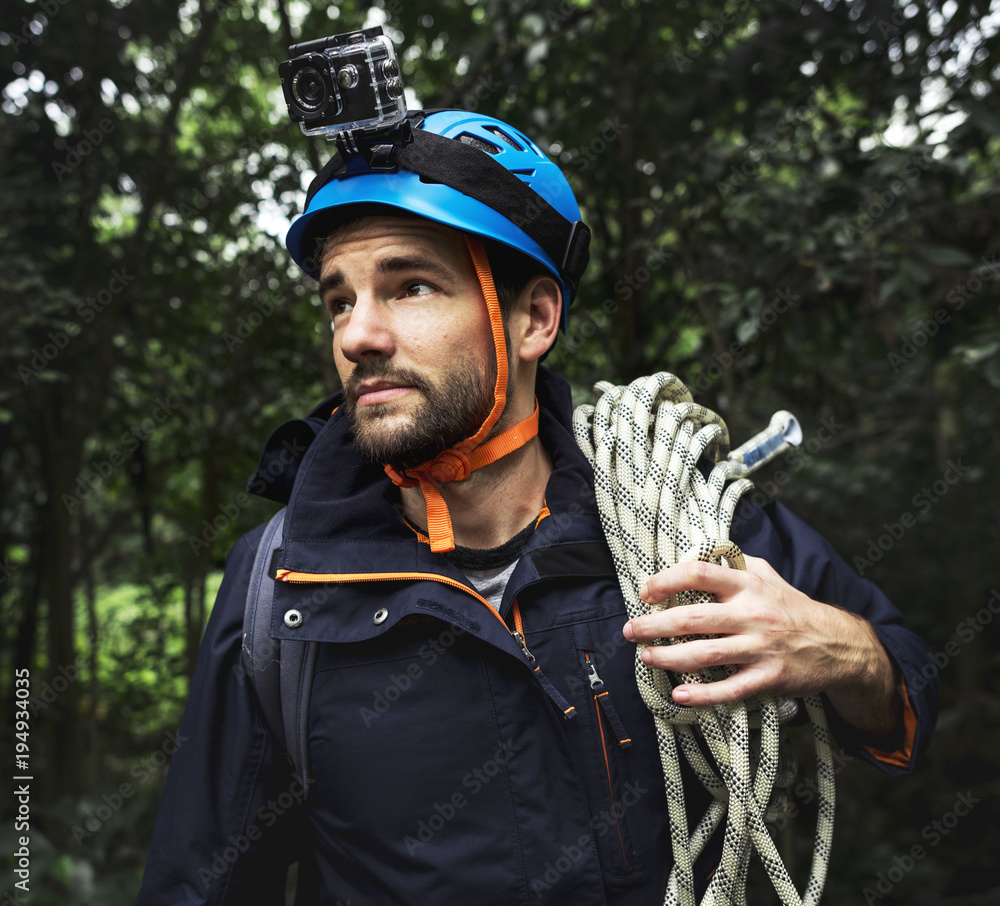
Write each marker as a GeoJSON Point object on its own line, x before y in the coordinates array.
{"type": "Point", "coordinates": [411, 340]}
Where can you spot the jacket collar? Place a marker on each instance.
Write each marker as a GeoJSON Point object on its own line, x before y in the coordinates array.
{"type": "Point", "coordinates": [345, 506]}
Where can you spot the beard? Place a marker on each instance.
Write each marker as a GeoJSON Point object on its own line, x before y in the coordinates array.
{"type": "Point", "coordinates": [452, 410]}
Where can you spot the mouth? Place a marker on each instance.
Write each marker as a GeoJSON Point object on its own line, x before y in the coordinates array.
{"type": "Point", "coordinates": [372, 392]}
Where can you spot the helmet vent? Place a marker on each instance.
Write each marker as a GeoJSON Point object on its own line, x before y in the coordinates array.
{"type": "Point", "coordinates": [503, 136]}
{"type": "Point", "coordinates": [467, 139]}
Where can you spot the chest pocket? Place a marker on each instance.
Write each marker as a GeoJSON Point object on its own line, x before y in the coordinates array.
{"type": "Point", "coordinates": [384, 748]}
{"type": "Point", "coordinates": [391, 668]}
{"type": "Point", "coordinates": [601, 738]}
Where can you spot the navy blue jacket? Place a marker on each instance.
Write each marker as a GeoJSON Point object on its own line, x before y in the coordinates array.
{"type": "Point", "coordinates": [447, 767]}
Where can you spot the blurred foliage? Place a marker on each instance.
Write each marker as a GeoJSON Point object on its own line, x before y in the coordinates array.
{"type": "Point", "coordinates": [794, 205]}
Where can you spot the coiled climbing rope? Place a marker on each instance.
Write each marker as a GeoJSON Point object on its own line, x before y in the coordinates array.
{"type": "Point", "coordinates": [657, 510]}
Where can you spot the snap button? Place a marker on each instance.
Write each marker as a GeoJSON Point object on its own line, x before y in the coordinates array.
{"type": "Point", "coordinates": [381, 615]}
{"type": "Point", "coordinates": [293, 619]}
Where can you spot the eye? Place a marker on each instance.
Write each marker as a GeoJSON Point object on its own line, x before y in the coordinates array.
{"type": "Point", "coordinates": [338, 307]}
{"type": "Point", "coordinates": [419, 288]}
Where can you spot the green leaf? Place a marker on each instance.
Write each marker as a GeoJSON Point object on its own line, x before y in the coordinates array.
{"type": "Point", "coordinates": [946, 256]}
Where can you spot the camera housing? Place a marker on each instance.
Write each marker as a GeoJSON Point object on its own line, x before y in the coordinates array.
{"type": "Point", "coordinates": [346, 85]}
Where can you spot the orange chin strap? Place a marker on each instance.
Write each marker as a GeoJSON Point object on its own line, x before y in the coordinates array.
{"type": "Point", "coordinates": [460, 461]}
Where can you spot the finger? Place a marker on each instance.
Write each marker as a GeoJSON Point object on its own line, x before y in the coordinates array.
{"type": "Point", "coordinates": [742, 685]}
{"type": "Point", "coordinates": [721, 581]}
{"type": "Point", "coordinates": [687, 619]}
{"type": "Point", "coordinates": [690, 657]}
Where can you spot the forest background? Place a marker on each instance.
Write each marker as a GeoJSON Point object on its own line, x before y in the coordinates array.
{"type": "Point", "coordinates": [794, 203]}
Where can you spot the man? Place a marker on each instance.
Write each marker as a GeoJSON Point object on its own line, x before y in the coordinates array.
{"type": "Point", "coordinates": [443, 545]}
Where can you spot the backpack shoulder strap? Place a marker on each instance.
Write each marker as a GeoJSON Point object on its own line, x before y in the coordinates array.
{"type": "Point", "coordinates": [281, 673]}
{"type": "Point", "coordinates": [261, 653]}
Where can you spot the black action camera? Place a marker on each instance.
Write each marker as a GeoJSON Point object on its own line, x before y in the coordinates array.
{"type": "Point", "coordinates": [344, 86]}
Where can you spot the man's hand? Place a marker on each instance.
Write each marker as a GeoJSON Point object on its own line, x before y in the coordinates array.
{"type": "Point", "coordinates": [781, 641]}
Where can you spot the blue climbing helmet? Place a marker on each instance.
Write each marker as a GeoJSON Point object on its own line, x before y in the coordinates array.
{"type": "Point", "coordinates": [464, 170]}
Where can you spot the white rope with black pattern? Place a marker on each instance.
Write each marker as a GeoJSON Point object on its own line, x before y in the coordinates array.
{"type": "Point", "coordinates": [657, 509]}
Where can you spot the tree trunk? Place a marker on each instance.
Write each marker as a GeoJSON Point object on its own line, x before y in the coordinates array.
{"type": "Point", "coordinates": [93, 754]}
{"type": "Point", "coordinates": [194, 610]}
{"type": "Point", "coordinates": [61, 451]}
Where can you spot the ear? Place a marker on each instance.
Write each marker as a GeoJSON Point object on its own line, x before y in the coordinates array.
{"type": "Point", "coordinates": [541, 302]}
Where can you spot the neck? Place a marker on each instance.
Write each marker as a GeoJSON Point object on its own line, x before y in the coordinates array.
{"type": "Point", "coordinates": [495, 502]}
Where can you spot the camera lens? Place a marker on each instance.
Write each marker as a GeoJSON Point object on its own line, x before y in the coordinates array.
{"type": "Point", "coordinates": [309, 89]}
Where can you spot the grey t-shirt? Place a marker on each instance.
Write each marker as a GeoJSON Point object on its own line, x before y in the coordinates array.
{"type": "Point", "coordinates": [488, 569]}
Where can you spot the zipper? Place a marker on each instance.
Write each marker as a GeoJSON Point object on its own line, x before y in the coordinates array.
{"type": "Point", "coordinates": [519, 637]}
{"type": "Point", "coordinates": [518, 632]}
{"type": "Point", "coordinates": [568, 710]}
{"type": "Point", "coordinates": [602, 702]}
{"type": "Point", "coordinates": [299, 578]}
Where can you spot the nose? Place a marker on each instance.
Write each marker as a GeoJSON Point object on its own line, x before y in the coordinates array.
{"type": "Point", "coordinates": [365, 331]}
